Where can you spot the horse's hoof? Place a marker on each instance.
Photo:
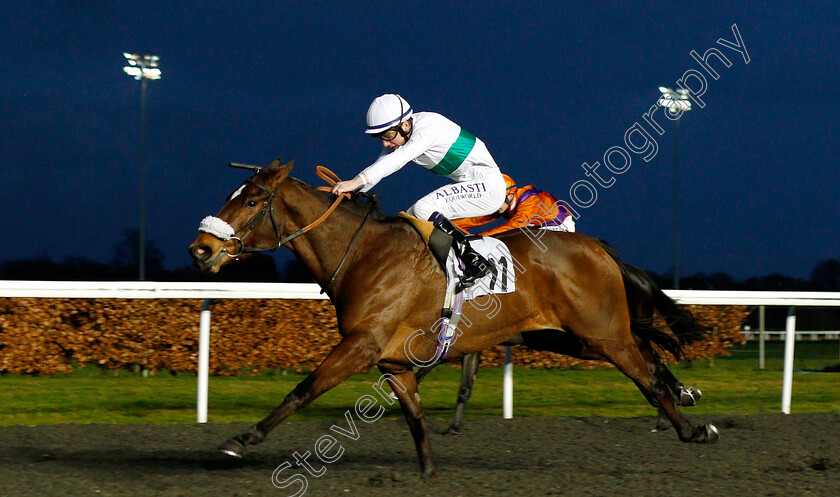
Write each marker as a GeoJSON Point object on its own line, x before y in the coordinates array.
{"type": "Point", "coordinates": [709, 434]}
{"type": "Point", "coordinates": [689, 396]}
{"type": "Point", "coordinates": [714, 434]}
{"type": "Point", "coordinates": [451, 431]}
{"type": "Point", "coordinates": [233, 448]}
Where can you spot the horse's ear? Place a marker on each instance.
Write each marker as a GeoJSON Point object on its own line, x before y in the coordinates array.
{"type": "Point", "coordinates": [285, 169]}
{"type": "Point", "coordinates": [280, 170]}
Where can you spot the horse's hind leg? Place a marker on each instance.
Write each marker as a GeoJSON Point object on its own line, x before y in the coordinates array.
{"type": "Point", "coordinates": [469, 370]}
{"type": "Point", "coordinates": [629, 360]}
{"type": "Point", "coordinates": [404, 384]}
{"type": "Point", "coordinates": [683, 396]}
{"type": "Point", "coordinates": [469, 365]}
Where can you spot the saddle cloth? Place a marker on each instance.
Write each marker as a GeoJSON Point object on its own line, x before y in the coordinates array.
{"type": "Point", "coordinates": [502, 280]}
{"type": "Point", "coordinates": [497, 253]}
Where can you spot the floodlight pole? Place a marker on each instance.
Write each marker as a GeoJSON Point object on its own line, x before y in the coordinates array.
{"type": "Point", "coordinates": [676, 102]}
{"type": "Point", "coordinates": [143, 68]}
{"type": "Point", "coordinates": [144, 83]}
{"type": "Point", "coordinates": [676, 204]}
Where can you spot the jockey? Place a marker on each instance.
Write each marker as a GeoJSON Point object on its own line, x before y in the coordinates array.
{"type": "Point", "coordinates": [443, 147]}
{"type": "Point", "coordinates": [522, 207]}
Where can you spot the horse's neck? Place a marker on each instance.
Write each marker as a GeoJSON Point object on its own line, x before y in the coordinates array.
{"type": "Point", "coordinates": [323, 247]}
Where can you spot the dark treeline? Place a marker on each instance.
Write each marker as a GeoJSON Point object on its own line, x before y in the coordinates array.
{"type": "Point", "coordinates": [263, 268]}
{"type": "Point", "coordinates": [825, 277]}
{"type": "Point", "coordinates": [124, 267]}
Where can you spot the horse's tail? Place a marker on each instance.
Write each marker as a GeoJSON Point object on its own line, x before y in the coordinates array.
{"type": "Point", "coordinates": [643, 296]}
{"type": "Point", "coordinates": [684, 325]}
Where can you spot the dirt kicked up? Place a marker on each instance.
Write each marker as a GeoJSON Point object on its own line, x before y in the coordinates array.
{"type": "Point", "coordinates": [763, 455]}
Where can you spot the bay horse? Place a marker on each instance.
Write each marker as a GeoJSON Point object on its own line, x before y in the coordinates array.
{"type": "Point", "coordinates": [386, 287]}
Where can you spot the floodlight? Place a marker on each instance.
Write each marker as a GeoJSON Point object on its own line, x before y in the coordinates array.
{"type": "Point", "coordinates": [674, 101]}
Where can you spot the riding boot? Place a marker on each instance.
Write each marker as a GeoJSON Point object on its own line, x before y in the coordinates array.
{"type": "Point", "coordinates": [476, 266]}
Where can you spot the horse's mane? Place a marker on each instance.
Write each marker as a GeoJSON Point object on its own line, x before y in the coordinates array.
{"type": "Point", "coordinates": [359, 203]}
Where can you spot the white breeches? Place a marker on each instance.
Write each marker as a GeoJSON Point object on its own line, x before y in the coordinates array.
{"type": "Point", "coordinates": [480, 197]}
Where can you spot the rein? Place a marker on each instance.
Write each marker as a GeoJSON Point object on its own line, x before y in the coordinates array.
{"type": "Point", "coordinates": [349, 247]}
{"type": "Point", "coordinates": [268, 206]}
{"type": "Point", "coordinates": [331, 178]}
{"type": "Point", "coordinates": [225, 232]}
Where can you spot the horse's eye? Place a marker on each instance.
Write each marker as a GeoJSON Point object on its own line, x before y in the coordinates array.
{"type": "Point", "coordinates": [252, 203]}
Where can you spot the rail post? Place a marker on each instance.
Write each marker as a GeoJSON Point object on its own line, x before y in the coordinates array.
{"type": "Point", "coordinates": [203, 359]}
{"type": "Point", "coordinates": [787, 378]}
{"type": "Point", "coordinates": [761, 337]}
{"type": "Point", "coordinates": [507, 385]}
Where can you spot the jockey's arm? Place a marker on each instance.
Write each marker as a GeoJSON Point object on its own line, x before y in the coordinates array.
{"type": "Point", "coordinates": [506, 226]}
{"type": "Point", "coordinates": [471, 222]}
{"type": "Point", "coordinates": [524, 216]}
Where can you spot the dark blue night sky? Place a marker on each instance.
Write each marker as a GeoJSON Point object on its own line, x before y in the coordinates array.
{"type": "Point", "coordinates": [547, 85]}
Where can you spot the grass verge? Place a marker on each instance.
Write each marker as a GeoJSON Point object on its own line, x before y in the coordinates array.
{"type": "Point", "coordinates": [730, 385]}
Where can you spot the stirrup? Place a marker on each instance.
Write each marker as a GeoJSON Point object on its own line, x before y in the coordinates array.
{"type": "Point", "coordinates": [481, 266]}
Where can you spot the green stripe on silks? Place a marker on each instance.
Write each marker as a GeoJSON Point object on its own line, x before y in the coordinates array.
{"type": "Point", "coordinates": [456, 154]}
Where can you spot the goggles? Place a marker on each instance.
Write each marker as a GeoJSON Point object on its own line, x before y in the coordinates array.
{"type": "Point", "coordinates": [389, 134]}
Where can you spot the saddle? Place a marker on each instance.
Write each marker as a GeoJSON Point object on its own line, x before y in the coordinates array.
{"type": "Point", "coordinates": [437, 241]}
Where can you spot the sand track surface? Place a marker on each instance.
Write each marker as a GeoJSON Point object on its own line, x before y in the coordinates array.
{"type": "Point", "coordinates": [763, 455]}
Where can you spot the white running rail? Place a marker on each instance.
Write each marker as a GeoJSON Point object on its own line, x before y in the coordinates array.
{"type": "Point", "coordinates": [206, 291]}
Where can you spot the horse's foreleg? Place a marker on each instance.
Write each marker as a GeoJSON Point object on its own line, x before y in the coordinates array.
{"type": "Point", "coordinates": [404, 384]}
{"type": "Point", "coordinates": [353, 354]}
{"type": "Point", "coordinates": [469, 365]}
{"type": "Point", "coordinates": [469, 370]}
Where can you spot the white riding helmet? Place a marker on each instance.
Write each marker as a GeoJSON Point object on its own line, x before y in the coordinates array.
{"type": "Point", "coordinates": [386, 112]}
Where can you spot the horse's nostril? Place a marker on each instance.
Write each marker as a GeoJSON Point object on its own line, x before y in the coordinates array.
{"type": "Point", "coordinates": [200, 252]}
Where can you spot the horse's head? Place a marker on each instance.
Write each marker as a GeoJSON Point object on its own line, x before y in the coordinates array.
{"type": "Point", "coordinates": [246, 223]}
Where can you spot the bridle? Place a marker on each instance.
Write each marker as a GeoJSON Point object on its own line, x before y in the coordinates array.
{"type": "Point", "coordinates": [268, 207]}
